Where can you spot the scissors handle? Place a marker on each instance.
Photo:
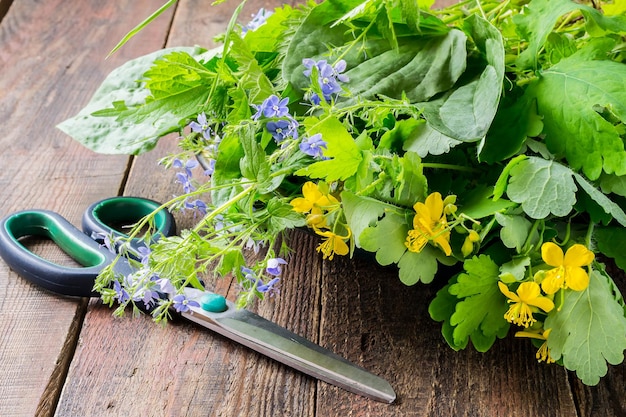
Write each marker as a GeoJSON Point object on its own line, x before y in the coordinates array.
{"type": "Point", "coordinates": [102, 217]}
{"type": "Point", "coordinates": [111, 216]}
{"type": "Point", "coordinates": [53, 277]}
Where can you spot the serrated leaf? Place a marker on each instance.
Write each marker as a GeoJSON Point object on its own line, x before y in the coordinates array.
{"type": "Point", "coordinates": [386, 238]}
{"type": "Point", "coordinates": [282, 216]}
{"type": "Point", "coordinates": [589, 330]}
{"type": "Point", "coordinates": [482, 307]}
{"type": "Point", "coordinates": [123, 135]}
{"type": "Point", "coordinates": [424, 140]}
{"type": "Point", "coordinates": [542, 187]}
{"type": "Point", "coordinates": [567, 96]}
{"type": "Point", "coordinates": [418, 267]}
{"type": "Point", "coordinates": [345, 156]}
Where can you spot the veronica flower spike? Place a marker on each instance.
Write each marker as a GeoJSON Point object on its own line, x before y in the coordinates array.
{"type": "Point", "coordinates": [201, 126]}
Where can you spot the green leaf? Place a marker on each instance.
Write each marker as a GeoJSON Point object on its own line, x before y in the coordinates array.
{"type": "Point", "coordinates": [567, 96]}
{"type": "Point", "coordinates": [282, 216]}
{"type": "Point", "coordinates": [611, 241]}
{"type": "Point", "coordinates": [415, 267]}
{"type": "Point", "coordinates": [361, 212]}
{"type": "Point", "coordinates": [468, 111]}
{"type": "Point", "coordinates": [536, 23]}
{"type": "Point", "coordinates": [542, 187]}
{"type": "Point", "coordinates": [515, 230]}
{"type": "Point", "coordinates": [480, 314]}
{"type": "Point", "coordinates": [343, 152]}
{"type": "Point", "coordinates": [412, 184]}
{"type": "Point", "coordinates": [251, 75]}
{"type": "Point", "coordinates": [136, 126]}
{"type": "Point", "coordinates": [424, 140]}
{"type": "Point", "coordinates": [589, 330]}
{"type": "Point", "coordinates": [514, 270]}
{"type": "Point", "coordinates": [441, 309]}
{"type": "Point", "coordinates": [603, 201]}
{"type": "Point", "coordinates": [253, 165]}
{"type": "Point", "coordinates": [478, 203]}
{"type": "Point", "coordinates": [386, 238]}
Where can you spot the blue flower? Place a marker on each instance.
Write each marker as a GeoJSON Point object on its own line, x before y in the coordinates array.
{"type": "Point", "coordinates": [182, 304]}
{"type": "Point", "coordinates": [201, 126]}
{"type": "Point", "coordinates": [282, 129]}
{"type": "Point", "coordinates": [198, 205]}
{"type": "Point", "coordinates": [273, 266]}
{"type": "Point", "coordinates": [257, 20]}
{"type": "Point", "coordinates": [313, 145]}
{"type": "Point", "coordinates": [144, 254]}
{"type": "Point", "coordinates": [107, 239]}
{"type": "Point", "coordinates": [272, 107]}
{"type": "Point", "coordinates": [120, 293]}
{"type": "Point", "coordinates": [266, 288]}
{"type": "Point", "coordinates": [328, 77]}
{"type": "Point", "coordinates": [185, 176]}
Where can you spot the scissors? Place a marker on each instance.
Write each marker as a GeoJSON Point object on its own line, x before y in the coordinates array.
{"type": "Point", "coordinates": [215, 312]}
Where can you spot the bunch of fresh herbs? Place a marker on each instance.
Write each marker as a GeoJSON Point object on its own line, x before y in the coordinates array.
{"type": "Point", "coordinates": [488, 135]}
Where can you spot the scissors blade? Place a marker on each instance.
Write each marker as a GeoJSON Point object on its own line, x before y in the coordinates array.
{"type": "Point", "coordinates": [278, 343]}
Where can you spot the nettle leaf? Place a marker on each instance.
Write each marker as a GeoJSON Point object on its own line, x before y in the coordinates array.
{"type": "Point", "coordinates": [252, 78]}
{"type": "Point", "coordinates": [589, 330]}
{"type": "Point", "coordinates": [121, 133]}
{"type": "Point", "coordinates": [345, 156]}
{"type": "Point", "coordinates": [542, 187]}
{"type": "Point", "coordinates": [386, 238]}
{"type": "Point", "coordinates": [361, 212]}
{"type": "Point", "coordinates": [479, 315]}
{"type": "Point", "coordinates": [567, 97]}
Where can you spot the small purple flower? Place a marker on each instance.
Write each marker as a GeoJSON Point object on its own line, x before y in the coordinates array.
{"type": "Point", "coordinates": [266, 288]}
{"type": "Point", "coordinates": [272, 107]}
{"type": "Point", "coordinates": [165, 286]}
{"type": "Point", "coordinates": [120, 293]}
{"type": "Point", "coordinates": [248, 274]}
{"type": "Point", "coordinates": [198, 205]}
{"type": "Point", "coordinates": [107, 240]}
{"type": "Point", "coordinates": [201, 126]}
{"type": "Point", "coordinates": [273, 266]}
{"type": "Point", "coordinates": [313, 145]}
{"type": "Point", "coordinates": [258, 20]}
{"type": "Point", "coordinates": [182, 304]}
{"type": "Point", "coordinates": [184, 177]}
{"type": "Point", "coordinates": [282, 129]}
{"type": "Point", "coordinates": [328, 77]}
{"type": "Point", "coordinates": [211, 168]}
{"type": "Point", "coordinates": [144, 254]}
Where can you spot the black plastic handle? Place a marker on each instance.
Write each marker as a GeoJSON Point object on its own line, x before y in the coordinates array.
{"type": "Point", "coordinates": [53, 277]}
{"type": "Point", "coordinates": [110, 216]}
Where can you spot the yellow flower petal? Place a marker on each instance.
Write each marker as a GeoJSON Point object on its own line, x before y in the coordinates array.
{"type": "Point", "coordinates": [553, 280]}
{"type": "Point", "coordinates": [301, 205]}
{"type": "Point", "coordinates": [311, 192]}
{"type": "Point", "coordinates": [504, 289]}
{"type": "Point", "coordinates": [434, 204]}
{"type": "Point", "coordinates": [578, 255]}
{"type": "Point", "coordinates": [552, 254]}
{"type": "Point", "coordinates": [576, 278]}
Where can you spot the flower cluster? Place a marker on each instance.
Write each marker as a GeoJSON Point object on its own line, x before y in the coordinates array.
{"type": "Point", "coordinates": [394, 139]}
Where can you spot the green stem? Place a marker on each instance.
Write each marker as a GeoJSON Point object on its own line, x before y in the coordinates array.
{"type": "Point", "coordinates": [450, 167]}
{"type": "Point", "coordinates": [210, 216]}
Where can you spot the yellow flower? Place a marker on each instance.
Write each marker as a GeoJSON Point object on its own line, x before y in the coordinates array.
{"type": "Point", "coordinates": [543, 353]}
{"type": "Point", "coordinates": [312, 199]}
{"type": "Point", "coordinates": [429, 224]}
{"type": "Point", "coordinates": [334, 244]}
{"type": "Point", "coordinates": [525, 302]}
{"type": "Point", "coordinates": [567, 271]}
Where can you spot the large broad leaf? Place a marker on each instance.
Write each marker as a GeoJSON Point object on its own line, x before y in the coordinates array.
{"type": "Point", "coordinates": [589, 330]}
{"type": "Point", "coordinates": [567, 97]}
{"type": "Point", "coordinates": [467, 111]}
{"type": "Point", "coordinates": [143, 120]}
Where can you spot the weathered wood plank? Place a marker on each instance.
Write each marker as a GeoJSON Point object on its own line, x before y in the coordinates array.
{"type": "Point", "coordinates": [51, 60]}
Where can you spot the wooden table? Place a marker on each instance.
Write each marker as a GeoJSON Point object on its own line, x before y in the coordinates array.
{"type": "Point", "coordinates": [70, 357]}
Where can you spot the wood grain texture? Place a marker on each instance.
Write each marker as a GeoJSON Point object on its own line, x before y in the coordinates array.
{"type": "Point", "coordinates": [51, 60]}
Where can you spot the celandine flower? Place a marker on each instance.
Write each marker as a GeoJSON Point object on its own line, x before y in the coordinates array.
{"type": "Point", "coordinates": [429, 224]}
{"type": "Point", "coordinates": [567, 271]}
{"type": "Point", "coordinates": [314, 203]}
{"type": "Point", "coordinates": [543, 353]}
{"type": "Point", "coordinates": [526, 300]}
{"type": "Point", "coordinates": [334, 244]}
{"type": "Point", "coordinates": [313, 145]}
